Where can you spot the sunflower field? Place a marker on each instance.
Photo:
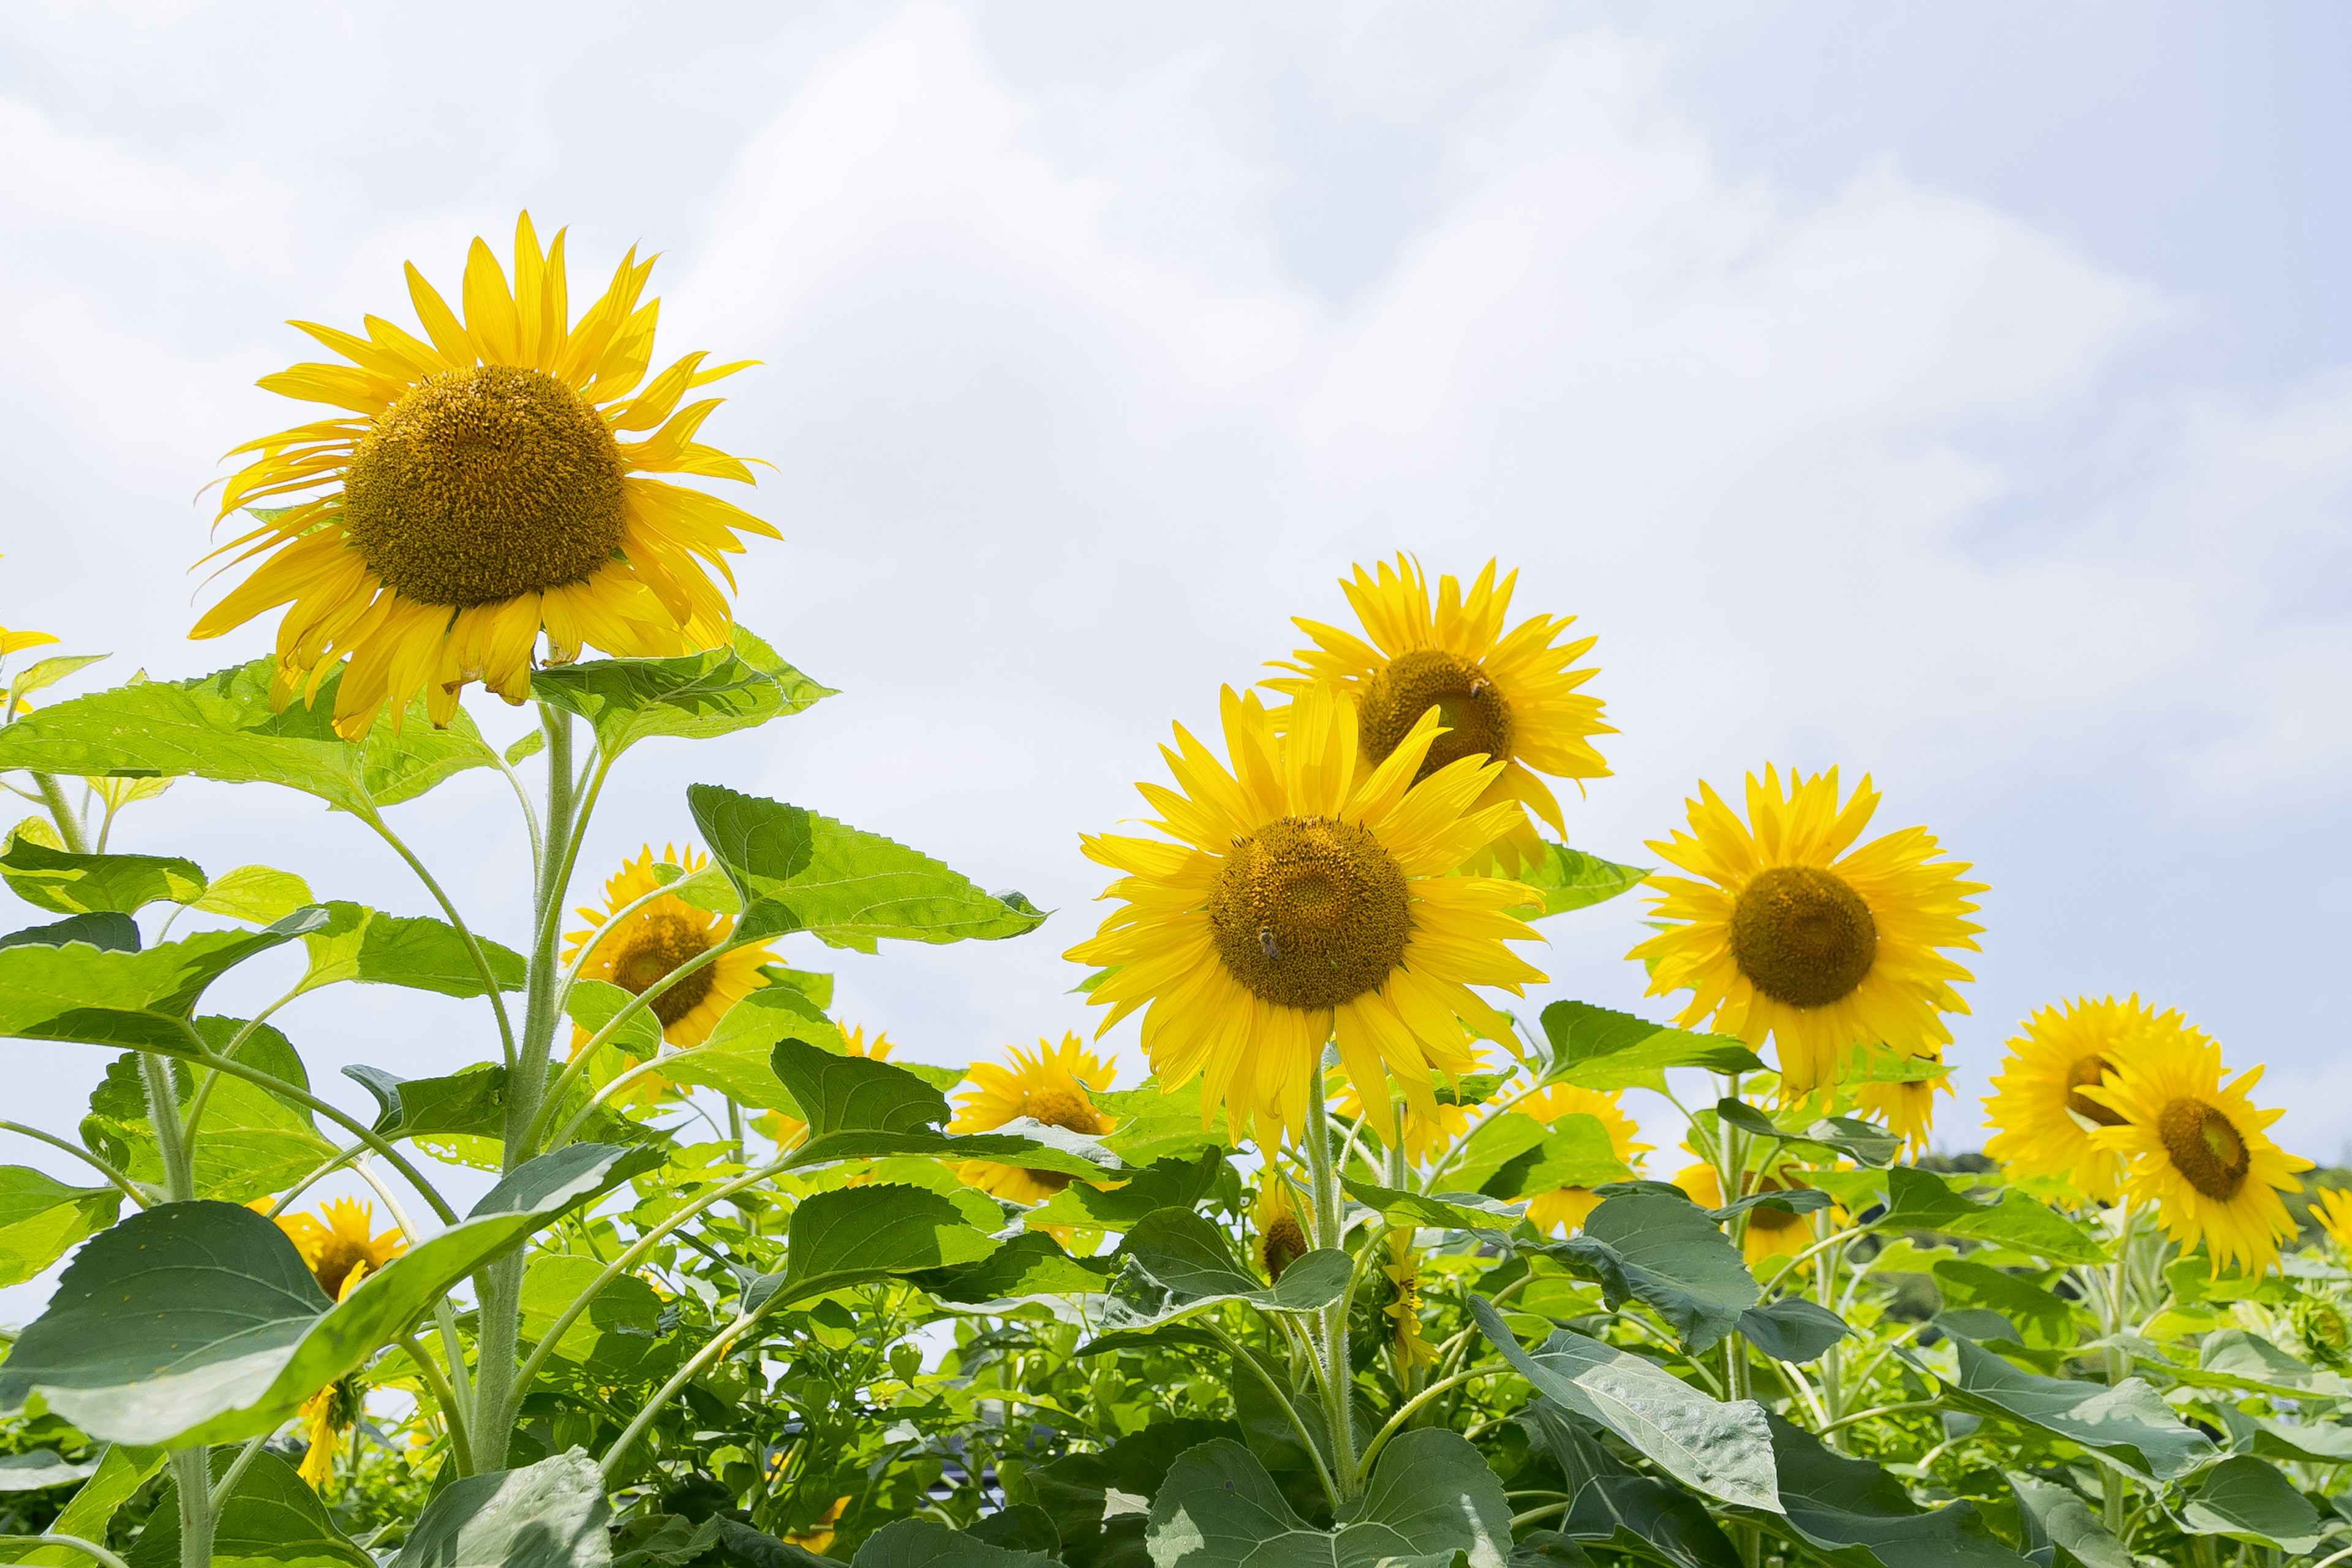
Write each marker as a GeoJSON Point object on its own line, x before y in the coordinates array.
{"type": "Point", "coordinates": [1374, 1267]}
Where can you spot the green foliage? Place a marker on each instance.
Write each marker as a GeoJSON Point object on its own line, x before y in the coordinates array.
{"type": "Point", "coordinates": [1571, 879]}
{"type": "Point", "coordinates": [702, 695]}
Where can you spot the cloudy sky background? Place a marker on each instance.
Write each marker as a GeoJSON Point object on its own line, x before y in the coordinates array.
{"type": "Point", "coordinates": [1958, 393]}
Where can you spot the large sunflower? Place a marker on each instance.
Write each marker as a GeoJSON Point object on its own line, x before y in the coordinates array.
{"type": "Point", "coordinates": [2042, 1118]}
{"type": "Point", "coordinates": [1508, 695]}
{"type": "Point", "coordinates": [2196, 1149]}
{"type": "Point", "coordinates": [640, 948]}
{"type": "Point", "coordinates": [1792, 935]}
{"type": "Point", "coordinates": [1053, 1084]}
{"type": "Point", "coordinates": [1304, 903]}
{"type": "Point", "coordinates": [1564, 1209]}
{"type": "Point", "coordinates": [482, 488]}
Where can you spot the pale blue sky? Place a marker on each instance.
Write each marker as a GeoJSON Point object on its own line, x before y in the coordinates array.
{"type": "Point", "coordinates": [1957, 393]}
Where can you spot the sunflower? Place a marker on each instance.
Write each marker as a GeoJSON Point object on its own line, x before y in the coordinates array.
{"type": "Point", "coordinates": [337, 1245]}
{"type": "Point", "coordinates": [1051, 1085]}
{"type": "Point", "coordinates": [1422, 1137]}
{"type": "Point", "coordinates": [2041, 1118]}
{"type": "Point", "coordinates": [1771, 1232]}
{"type": "Point", "coordinates": [2332, 1207]}
{"type": "Point", "coordinates": [481, 488]}
{"type": "Point", "coordinates": [1281, 1239]}
{"type": "Point", "coordinates": [1563, 1209]}
{"type": "Point", "coordinates": [2197, 1150]}
{"type": "Point", "coordinates": [1909, 1107]}
{"type": "Point", "coordinates": [639, 950]}
{"type": "Point", "coordinates": [327, 1415]}
{"type": "Point", "coordinates": [1786, 938]}
{"type": "Point", "coordinates": [782, 1130]}
{"type": "Point", "coordinates": [819, 1536]}
{"type": "Point", "coordinates": [1509, 695]}
{"type": "Point", "coordinates": [1302, 902]}
{"type": "Point", "coordinates": [1402, 1308]}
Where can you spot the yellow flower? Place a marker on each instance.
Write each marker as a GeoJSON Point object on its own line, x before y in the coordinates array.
{"type": "Point", "coordinates": [1507, 695]}
{"type": "Point", "coordinates": [327, 1415]}
{"type": "Point", "coordinates": [1564, 1209]}
{"type": "Point", "coordinates": [15, 642]}
{"type": "Point", "coordinates": [1908, 1108]}
{"type": "Point", "coordinates": [1403, 1310]}
{"type": "Point", "coordinates": [2332, 1207]}
{"type": "Point", "coordinates": [1424, 1137]}
{"type": "Point", "coordinates": [781, 1129]}
{"type": "Point", "coordinates": [481, 487]}
{"type": "Point", "coordinates": [2197, 1150]}
{"type": "Point", "coordinates": [820, 1536]}
{"type": "Point", "coordinates": [1792, 936]}
{"type": "Point", "coordinates": [2044, 1121]}
{"type": "Point", "coordinates": [1772, 1232]}
{"type": "Point", "coordinates": [640, 948]}
{"type": "Point", "coordinates": [1302, 902]}
{"type": "Point", "coordinates": [1050, 1085]}
{"type": "Point", "coordinates": [336, 1244]}
{"type": "Point", "coordinates": [1281, 1239]}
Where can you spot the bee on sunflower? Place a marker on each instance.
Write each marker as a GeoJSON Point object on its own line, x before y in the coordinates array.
{"type": "Point", "coordinates": [1055, 1085]}
{"type": "Point", "coordinates": [1564, 1209]}
{"type": "Point", "coordinates": [1785, 930]}
{"type": "Point", "coordinates": [2196, 1149]}
{"type": "Point", "coordinates": [481, 487]}
{"type": "Point", "coordinates": [636, 948]}
{"type": "Point", "coordinates": [1506, 693]}
{"type": "Point", "coordinates": [2043, 1118]}
{"type": "Point", "coordinates": [1303, 901]}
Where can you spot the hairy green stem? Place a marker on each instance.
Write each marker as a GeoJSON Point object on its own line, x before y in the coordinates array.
{"type": "Point", "coordinates": [438, 1387]}
{"type": "Point", "coordinates": [194, 1477]}
{"type": "Point", "coordinates": [1338, 1381]}
{"type": "Point", "coordinates": [1282, 1401]}
{"type": "Point", "coordinates": [61, 812]}
{"type": "Point", "coordinates": [130, 1188]}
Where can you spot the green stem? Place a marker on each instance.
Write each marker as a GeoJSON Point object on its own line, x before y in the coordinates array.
{"type": "Point", "coordinates": [1338, 1381]}
{"type": "Point", "coordinates": [2118, 1367]}
{"type": "Point", "coordinates": [1285, 1403]}
{"type": "Point", "coordinates": [482, 969]}
{"type": "Point", "coordinates": [171, 1135]}
{"type": "Point", "coordinates": [190, 1470]}
{"type": "Point", "coordinates": [641, 1003]}
{"type": "Point", "coordinates": [92, 1549]}
{"type": "Point", "coordinates": [130, 1188]}
{"type": "Point", "coordinates": [224, 1487]}
{"type": "Point", "coordinates": [438, 1387]}
{"type": "Point", "coordinates": [720, 1344]}
{"type": "Point", "coordinates": [61, 812]}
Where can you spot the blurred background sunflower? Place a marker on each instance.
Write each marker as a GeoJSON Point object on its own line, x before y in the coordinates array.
{"type": "Point", "coordinates": [1054, 1084]}
{"type": "Point", "coordinates": [2042, 1118]}
{"type": "Point", "coordinates": [481, 488]}
{"type": "Point", "coordinates": [1563, 1209]}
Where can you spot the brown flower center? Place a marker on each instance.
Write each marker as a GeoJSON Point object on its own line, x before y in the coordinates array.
{"type": "Point", "coordinates": [1476, 718]}
{"type": "Point", "coordinates": [2205, 1148]}
{"type": "Point", "coordinates": [2088, 1073]}
{"type": "Point", "coordinates": [1309, 912]}
{"type": "Point", "coordinates": [1284, 1243]}
{"type": "Point", "coordinates": [483, 484]}
{"type": "Point", "coordinates": [1802, 936]}
{"type": "Point", "coordinates": [1064, 1108]}
{"type": "Point", "coordinates": [1764, 1217]}
{"type": "Point", "coordinates": [662, 941]}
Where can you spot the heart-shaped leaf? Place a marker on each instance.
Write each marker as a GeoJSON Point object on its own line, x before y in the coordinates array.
{"type": "Point", "coordinates": [1668, 1254]}
{"type": "Point", "coordinates": [1792, 1328]}
{"type": "Point", "coordinates": [2247, 1498]}
{"type": "Point", "coordinates": [74, 884]}
{"type": "Point", "coordinates": [1430, 1496]}
{"type": "Point", "coordinates": [548, 1515]}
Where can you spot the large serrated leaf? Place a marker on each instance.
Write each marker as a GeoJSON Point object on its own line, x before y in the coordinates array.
{"type": "Point", "coordinates": [1922, 1200]}
{"type": "Point", "coordinates": [856, 1234]}
{"type": "Point", "coordinates": [692, 697]}
{"type": "Point", "coordinates": [1668, 1254]}
{"type": "Point", "coordinates": [1600, 1048]}
{"type": "Point", "coordinates": [2247, 1498]}
{"type": "Point", "coordinates": [418, 952]}
{"type": "Point", "coordinates": [1174, 1263]}
{"type": "Point", "coordinates": [1430, 1497]}
{"type": "Point", "coordinates": [71, 884]}
{"type": "Point", "coordinates": [1857, 1514]}
{"type": "Point", "coordinates": [548, 1515]}
{"type": "Point", "coordinates": [2128, 1424]}
{"type": "Point", "coordinates": [139, 1000]}
{"type": "Point", "coordinates": [794, 871]}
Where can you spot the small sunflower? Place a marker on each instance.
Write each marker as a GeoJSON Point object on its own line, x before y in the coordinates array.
{"type": "Point", "coordinates": [1302, 903]}
{"type": "Point", "coordinates": [1771, 1232]}
{"type": "Point", "coordinates": [639, 951]}
{"type": "Point", "coordinates": [2041, 1118]}
{"type": "Point", "coordinates": [1792, 935]}
{"type": "Point", "coordinates": [2197, 1150]}
{"type": "Point", "coordinates": [481, 487]}
{"type": "Point", "coordinates": [1054, 1084]}
{"type": "Point", "coordinates": [1402, 1307]}
{"type": "Point", "coordinates": [819, 1536]}
{"type": "Point", "coordinates": [2332, 1207]}
{"type": "Point", "coordinates": [1281, 1239]}
{"type": "Point", "coordinates": [327, 1415]}
{"type": "Point", "coordinates": [337, 1244]}
{"type": "Point", "coordinates": [1906, 1107]}
{"type": "Point", "coordinates": [1507, 695]}
{"type": "Point", "coordinates": [1564, 1209]}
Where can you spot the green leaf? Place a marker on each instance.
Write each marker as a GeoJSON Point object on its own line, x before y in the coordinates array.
{"type": "Point", "coordinates": [1165, 1184]}
{"type": "Point", "coordinates": [529, 746]}
{"type": "Point", "coordinates": [593, 1003]}
{"type": "Point", "coordinates": [1097, 1530]}
{"type": "Point", "coordinates": [2047, 1320]}
{"type": "Point", "coordinates": [106, 932]}
{"type": "Point", "coordinates": [257, 893]}
{"type": "Point", "coordinates": [2055, 1517]}
{"type": "Point", "coordinates": [1155, 1122]}
{"type": "Point", "coordinates": [1723, 1451]}
{"type": "Point", "coordinates": [122, 1471]}
{"type": "Point", "coordinates": [1858, 1514]}
{"type": "Point", "coordinates": [1019, 1526]}
{"type": "Point", "coordinates": [1447, 1211]}
{"type": "Point", "coordinates": [46, 672]}
{"type": "Point", "coordinates": [1669, 1255]}
{"type": "Point", "coordinates": [1597, 1048]}
{"type": "Point", "coordinates": [1430, 1496]}
{"type": "Point", "coordinates": [1922, 1200]}
{"type": "Point", "coordinates": [249, 1143]}
{"type": "Point", "coordinates": [40, 1470]}
{"type": "Point", "coordinates": [852, 1235]}
{"type": "Point", "coordinates": [2127, 1424]}
{"type": "Point", "coordinates": [794, 871]}
{"type": "Point", "coordinates": [418, 952]}
{"type": "Point", "coordinates": [273, 1518]}
{"type": "Point", "coordinates": [41, 1219]}
{"type": "Point", "coordinates": [1574, 1151]}
{"type": "Point", "coordinates": [2233, 1358]}
{"type": "Point", "coordinates": [1615, 1506]}
{"type": "Point", "coordinates": [927, 1543]}
{"type": "Point", "coordinates": [1031, 1266]}
{"type": "Point", "coordinates": [221, 726]}
{"type": "Point", "coordinates": [136, 999]}
{"type": "Point", "coordinates": [549, 1515]}
{"type": "Point", "coordinates": [1793, 1329]}
{"type": "Point", "coordinates": [837, 1093]}
{"type": "Point", "coordinates": [614, 1338]}
{"type": "Point", "coordinates": [695, 698]}
{"type": "Point", "coordinates": [1173, 1263]}
{"type": "Point", "coordinates": [1865, 1141]}
{"type": "Point", "coordinates": [1571, 879]}
{"type": "Point", "coordinates": [2247, 1498]}
{"type": "Point", "coordinates": [72, 884]}
{"type": "Point", "coordinates": [200, 1323]}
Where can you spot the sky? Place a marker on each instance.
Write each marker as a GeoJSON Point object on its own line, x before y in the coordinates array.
{"type": "Point", "coordinates": [1959, 394]}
